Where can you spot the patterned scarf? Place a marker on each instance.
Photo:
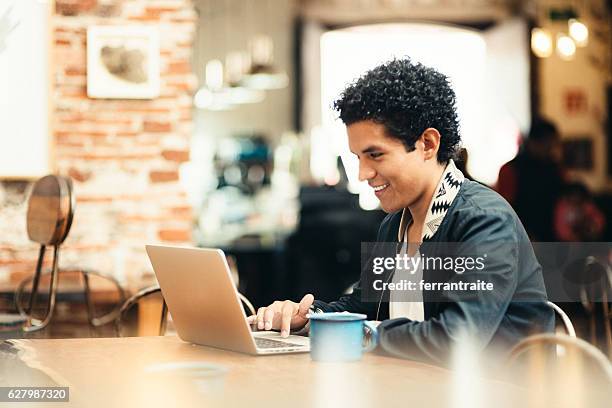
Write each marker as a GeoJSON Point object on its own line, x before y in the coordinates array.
{"type": "Point", "coordinates": [445, 193]}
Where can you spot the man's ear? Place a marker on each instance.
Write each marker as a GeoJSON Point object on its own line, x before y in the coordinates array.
{"type": "Point", "coordinates": [431, 142]}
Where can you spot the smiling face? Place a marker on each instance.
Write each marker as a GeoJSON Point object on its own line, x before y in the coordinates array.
{"type": "Point", "coordinates": [400, 179]}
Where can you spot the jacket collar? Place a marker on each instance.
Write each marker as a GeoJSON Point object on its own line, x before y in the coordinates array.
{"type": "Point", "coordinates": [444, 195]}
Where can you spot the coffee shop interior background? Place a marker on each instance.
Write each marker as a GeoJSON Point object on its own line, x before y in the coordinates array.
{"type": "Point", "coordinates": [232, 142]}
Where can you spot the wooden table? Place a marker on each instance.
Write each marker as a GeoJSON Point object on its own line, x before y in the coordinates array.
{"type": "Point", "coordinates": [112, 372]}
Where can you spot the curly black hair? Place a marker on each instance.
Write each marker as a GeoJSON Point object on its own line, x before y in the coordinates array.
{"type": "Point", "coordinates": [406, 98]}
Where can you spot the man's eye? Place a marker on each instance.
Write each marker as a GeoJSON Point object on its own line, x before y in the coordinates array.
{"type": "Point", "coordinates": [375, 155]}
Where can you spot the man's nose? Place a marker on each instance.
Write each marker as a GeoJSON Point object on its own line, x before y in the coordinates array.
{"type": "Point", "coordinates": [366, 172]}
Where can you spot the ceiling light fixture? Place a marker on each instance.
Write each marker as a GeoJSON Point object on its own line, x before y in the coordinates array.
{"type": "Point", "coordinates": [566, 48]}
{"type": "Point", "coordinates": [541, 43]}
{"type": "Point", "coordinates": [578, 31]}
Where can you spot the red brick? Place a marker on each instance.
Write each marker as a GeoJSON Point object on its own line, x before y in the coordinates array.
{"type": "Point", "coordinates": [156, 127]}
{"type": "Point", "coordinates": [183, 212]}
{"type": "Point", "coordinates": [110, 121]}
{"type": "Point", "coordinates": [135, 218]}
{"type": "Point", "coordinates": [74, 7]}
{"type": "Point", "coordinates": [156, 12]}
{"type": "Point", "coordinates": [69, 141]}
{"type": "Point", "coordinates": [93, 135]}
{"type": "Point", "coordinates": [121, 135]}
{"type": "Point", "coordinates": [73, 91]}
{"type": "Point", "coordinates": [176, 155]}
{"type": "Point", "coordinates": [174, 235]}
{"type": "Point", "coordinates": [163, 176]}
{"type": "Point", "coordinates": [147, 18]}
{"type": "Point", "coordinates": [21, 272]}
{"type": "Point", "coordinates": [145, 109]}
{"type": "Point", "coordinates": [75, 70]}
{"type": "Point", "coordinates": [181, 85]}
{"type": "Point", "coordinates": [69, 117]}
{"type": "Point", "coordinates": [179, 68]}
{"type": "Point", "coordinates": [163, 9]}
{"type": "Point", "coordinates": [108, 10]}
{"type": "Point", "coordinates": [80, 176]}
{"type": "Point", "coordinates": [127, 133]}
{"type": "Point", "coordinates": [105, 156]}
{"type": "Point", "coordinates": [86, 199]}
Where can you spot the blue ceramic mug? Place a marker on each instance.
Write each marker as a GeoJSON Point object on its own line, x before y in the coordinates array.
{"type": "Point", "coordinates": [339, 336]}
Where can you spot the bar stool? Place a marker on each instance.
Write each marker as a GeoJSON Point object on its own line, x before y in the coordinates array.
{"type": "Point", "coordinates": [49, 218]}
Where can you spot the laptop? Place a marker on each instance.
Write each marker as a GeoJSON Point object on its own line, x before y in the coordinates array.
{"type": "Point", "coordinates": [203, 301]}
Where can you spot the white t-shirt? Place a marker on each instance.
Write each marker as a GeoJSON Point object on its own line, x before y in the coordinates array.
{"type": "Point", "coordinates": [407, 304]}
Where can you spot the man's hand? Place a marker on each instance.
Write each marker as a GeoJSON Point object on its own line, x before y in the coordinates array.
{"type": "Point", "coordinates": [283, 315]}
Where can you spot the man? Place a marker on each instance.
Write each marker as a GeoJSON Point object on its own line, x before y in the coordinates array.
{"type": "Point", "coordinates": [402, 125]}
{"type": "Point", "coordinates": [533, 180]}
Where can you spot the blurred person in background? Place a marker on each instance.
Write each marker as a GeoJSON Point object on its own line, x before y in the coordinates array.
{"type": "Point", "coordinates": [532, 182]}
{"type": "Point", "coordinates": [577, 217]}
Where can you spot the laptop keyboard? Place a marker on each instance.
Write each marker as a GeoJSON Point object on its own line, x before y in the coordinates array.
{"type": "Point", "coordinates": [267, 343]}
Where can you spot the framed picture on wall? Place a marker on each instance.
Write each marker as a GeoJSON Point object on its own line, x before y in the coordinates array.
{"type": "Point", "coordinates": [123, 62]}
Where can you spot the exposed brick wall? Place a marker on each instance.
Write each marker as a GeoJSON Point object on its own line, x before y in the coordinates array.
{"type": "Point", "coordinates": [123, 155]}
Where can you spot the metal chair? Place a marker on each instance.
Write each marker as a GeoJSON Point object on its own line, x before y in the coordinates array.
{"type": "Point", "coordinates": [49, 217]}
{"type": "Point", "coordinates": [596, 292]}
{"type": "Point", "coordinates": [569, 327]}
{"type": "Point", "coordinates": [86, 275]}
{"type": "Point", "coordinates": [134, 300]}
{"type": "Point", "coordinates": [146, 292]}
{"type": "Point", "coordinates": [97, 321]}
{"type": "Point", "coordinates": [583, 347]}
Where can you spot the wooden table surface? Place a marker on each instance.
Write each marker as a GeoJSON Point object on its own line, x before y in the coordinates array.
{"type": "Point", "coordinates": [107, 372]}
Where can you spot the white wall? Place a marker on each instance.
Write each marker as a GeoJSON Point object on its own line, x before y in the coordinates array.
{"type": "Point", "coordinates": [25, 84]}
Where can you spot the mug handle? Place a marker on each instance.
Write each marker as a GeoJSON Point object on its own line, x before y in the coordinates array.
{"type": "Point", "coordinates": [370, 329]}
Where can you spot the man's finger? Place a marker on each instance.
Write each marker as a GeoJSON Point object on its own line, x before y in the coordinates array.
{"type": "Point", "coordinates": [305, 304]}
{"type": "Point", "coordinates": [260, 318]}
{"type": "Point", "coordinates": [268, 316]}
{"type": "Point", "coordinates": [287, 313]}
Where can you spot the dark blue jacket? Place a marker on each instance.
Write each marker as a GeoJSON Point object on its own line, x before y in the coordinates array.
{"type": "Point", "coordinates": [514, 310]}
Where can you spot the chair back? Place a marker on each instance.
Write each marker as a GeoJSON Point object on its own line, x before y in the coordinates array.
{"type": "Point", "coordinates": [50, 210]}
{"type": "Point", "coordinates": [49, 218]}
{"type": "Point", "coordinates": [569, 327]}
{"type": "Point", "coordinates": [591, 352]}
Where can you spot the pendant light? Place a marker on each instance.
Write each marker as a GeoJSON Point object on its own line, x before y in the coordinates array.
{"type": "Point", "coordinates": [214, 95]}
{"type": "Point", "coordinates": [578, 31]}
{"type": "Point", "coordinates": [263, 75]}
{"type": "Point", "coordinates": [237, 64]}
{"type": "Point", "coordinates": [541, 42]}
{"type": "Point", "coordinates": [222, 90]}
{"type": "Point", "coordinates": [566, 48]}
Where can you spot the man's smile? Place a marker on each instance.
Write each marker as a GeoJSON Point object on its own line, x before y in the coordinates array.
{"type": "Point", "coordinates": [380, 188]}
